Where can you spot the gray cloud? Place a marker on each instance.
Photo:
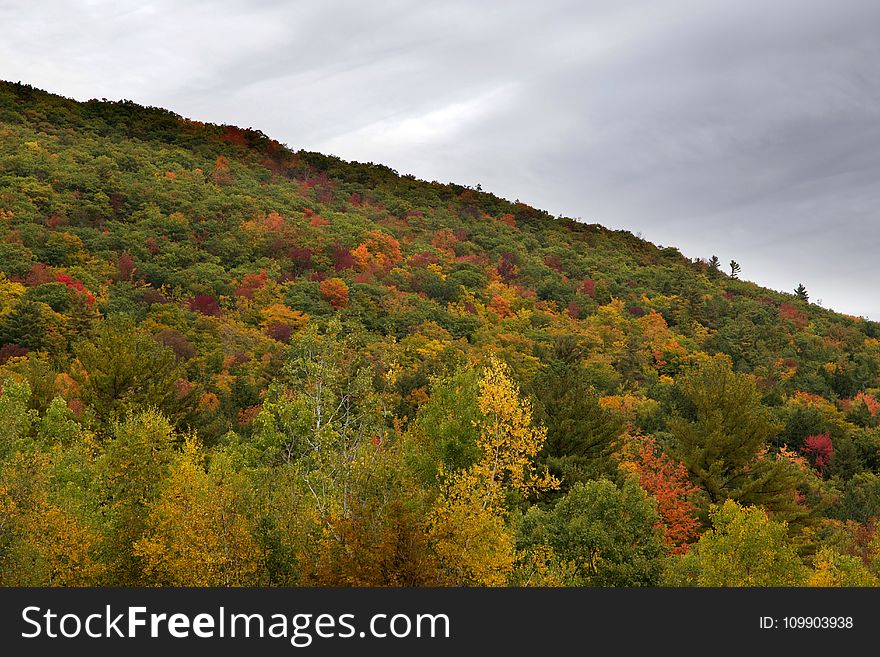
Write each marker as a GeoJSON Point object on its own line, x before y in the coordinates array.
{"type": "Point", "coordinates": [747, 129]}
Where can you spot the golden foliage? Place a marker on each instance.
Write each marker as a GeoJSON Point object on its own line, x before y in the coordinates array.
{"type": "Point", "coordinates": [508, 439]}
{"type": "Point", "coordinates": [466, 527]}
{"type": "Point", "coordinates": [540, 566]}
{"type": "Point", "coordinates": [9, 292]}
{"type": "Point", "coordinates": [834, 569]}
{"type": "Point", "coordinates": [64, 544]}
{"type": "Point", "coordinates": [197, 532]}
{"type": "Point", "coordinates": [278, 313]}
{"type": "Point", "coordinates": [468, 533]}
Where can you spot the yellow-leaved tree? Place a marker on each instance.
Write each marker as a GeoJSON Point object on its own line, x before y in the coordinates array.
{"type": "Point", "coordinates": [830, 568]}
{"type": "Point", "coordinates": [467, 526]}
{"type": "Point", "coordinates": [45, 540]}
{"type": "Point", "coordinates": [198, 533]}
{"type": "Point", "coordinates": [64, 546]}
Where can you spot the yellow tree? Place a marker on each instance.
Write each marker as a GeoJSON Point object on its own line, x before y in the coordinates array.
{"type": "Point", "coordinates": [467, 526]}
{"type": "Point", "coordinates": [830, 568]}
{"type": "Point", "coordinates": [45, 539]}
{"type": "Point", "coordinates": [10, 292]}
{"type": "Point", "coordinates": [197, 531]}
{"type": "Point", "coordinates": [63, 546]}
{"type": "Point", "coordinates": [467, 531]}
{"type": "Point", "coordinates": [8, 515]}
{"type": "Point", "coordinates": [278, 313]}
{"type": "Point", "coordinates": [508, 439]}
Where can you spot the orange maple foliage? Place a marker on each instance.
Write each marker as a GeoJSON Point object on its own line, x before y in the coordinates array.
{"type": "Point", "coordinates": [810, 399]}
{"type": "Point", "coordinates": [444, 240]}
{"type": "Point", "coordinates": [666, 480]}
{"type": "Point", "coordinates": [379, 251]}
{"type": "Point", "coordinates": [872, 404]}
{"type": "Point", "coordinates": [221, 174]}
{"type": "Point", "coordinates": [508, 219]}
{"type": "Point", "coordinates": [250, 283]}
{"type": "Point", "coordinates": [500, 306]}
{"type": "Point", "coordinates": [361, 255]}
{"type": "Point", "coordinates": [335, 292]}
{"type": "Point", "coordinates": [273, 222]}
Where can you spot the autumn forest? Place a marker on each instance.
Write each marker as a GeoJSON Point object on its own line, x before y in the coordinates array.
{"type": "Point", "coordinates": [228, 363]}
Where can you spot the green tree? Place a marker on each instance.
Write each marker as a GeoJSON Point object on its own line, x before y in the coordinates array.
{"type": "Point", "coordinates": [124, 370]}
{"type": "Point", "coordinates": [446, 427]}
{"type": "Point", "coordinates": [25, 326]}
{"type": "Point", "coordinates": [860, 499]}
{"type": "Point", "coordinates": [321, 417]}
{"type": "Point", "coordinates": [721, 433]}
{"type": "Point", "coordinates": [610, 533]}
{"type": "Point", "coordinates": [17, 416]}
{"type": "Point", "coordinates": [581, 434]}
{"type": "Point", "coordinates": [714, 266]}
{"type": "Point", "coordinates": [58, 426]}
{"type": "Point", "coordinates": [132, 469]}
{"type": "Point", "coordinates": [55, 295]}
{"type": "Point", "coordinates": [743, 548]}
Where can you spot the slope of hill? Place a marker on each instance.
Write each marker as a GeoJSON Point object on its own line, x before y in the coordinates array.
{"type": "Point", "coordinates": [225, 362]}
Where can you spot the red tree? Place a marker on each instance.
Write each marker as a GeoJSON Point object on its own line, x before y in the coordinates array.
{"type": "Point", "coordinates": [250, 284]}
{"type": "Point", "coordinates": [77, 286]}
{"type": "Point", "coordinates": [204, 304]}
{"type": "Point", "coordinates": [301, 258]}
{"type": "Point", "coordinates": [342, 258]}
{"type": "Point", "coordinates": [507, 267]}
{"type": "Point", "coordinates": [820, 448]}
{"type": "Point", "coordinates": [588, 287]}
{"type": "Point", "coordinates": [280, 332]}
{"type": "Point", "coordinates": [126, 267]}
{"type": "Point", "coordinates": [792, 313]}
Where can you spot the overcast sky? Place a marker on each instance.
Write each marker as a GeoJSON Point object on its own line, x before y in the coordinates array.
{"type": "Point", "coordinates": [749, 129]}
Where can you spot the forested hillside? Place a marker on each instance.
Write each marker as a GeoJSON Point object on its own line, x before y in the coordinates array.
{"type": "Point", "coordinates": [224, 362]}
